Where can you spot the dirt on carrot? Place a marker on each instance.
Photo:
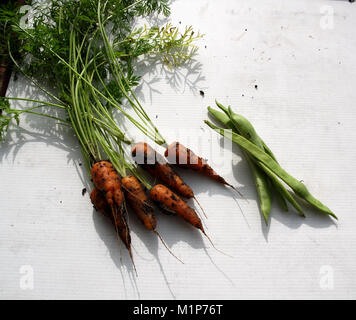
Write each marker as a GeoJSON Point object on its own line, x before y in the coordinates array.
{"type": "Point", "coordinates": [157, 166]}
{"type": "Point", "coordinates": [99, 203]}
{"type": "Point", "coordinates": [179, 155]}
{"type": "Point", "coordinates": [109, 199]}
{"type": "Point", "coordinates": [139, 201]}
{"type": "Point", "coordinates": [142, 206]}
{"type": "Point", "coordinates": [167, 198]}
{"type": "Point", "coordinates": [118, 220]}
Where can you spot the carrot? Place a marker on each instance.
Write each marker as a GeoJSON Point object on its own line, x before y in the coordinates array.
{"type": "Point", "coordinates": [142, 206]}
{"type": "Point", "coordinates": [157, 166]}
{"type": "Point", "coordinates": [183, 157]}
{"type": "Point", "coordinates": [167, 198]}
{"type": "Point", "coordinates": [107, 180]}
{"type": "Point", "coordinates": [109, 199]}
{"type": "Point", "coordinates": [99, 203]}
{"type": "Point", "coordinates": [139, 202]}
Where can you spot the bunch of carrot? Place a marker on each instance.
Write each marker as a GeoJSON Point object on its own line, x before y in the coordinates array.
{"type": "Point", "coordinates": [112, 190]}
{"type": "Point", "coordinates": [93, 74]}
{"type": "Point", "coordinates": [265, 168]}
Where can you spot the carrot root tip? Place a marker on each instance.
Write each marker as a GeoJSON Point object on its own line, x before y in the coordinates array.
{"type": "Point", "coordinates": [164, 243]}
{"type": "Point", "coordinates": [200, 207]}
{"type": "Point", "coordinates": [237, 191]}
{"type": "Point", "coordinates": [211, 242]}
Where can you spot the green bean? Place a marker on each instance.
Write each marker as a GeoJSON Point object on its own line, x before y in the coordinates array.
{"type": "Point", "coordinates": [246, 129]}
{"type": "Point", "coordinates": [224, 119]}
{"type": "Point", "coordinates": [280, 192]}
{"type": "Point", "coordinates": [268, 151]}
{"type": "Point", "coordinates": [262, 186]}
{"type": "Point", "coordinates": [221, 117]}
{"type": "Point", "coordinates": [281, 189]}
{"type": "Point", "coordinates": [242, 125]}
{"type": "Point", "coordinates": [298, 187]}
{"type": "Point", "coordinates": [226, 110]}
{"type": "Point", "coordinates": [280, 199]}
{"type": "Point", "coordinates": [250, 133]}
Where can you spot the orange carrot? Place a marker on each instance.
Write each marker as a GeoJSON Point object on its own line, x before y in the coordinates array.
{"type": "Point", "coordinates": [167, 198]}
{"type": "Point", "coordinates": [183, 157]}
{"type": "Point", "coordinates": [139, 202]}
{"type": "Point", "coordinates": [109, 199]}
{"type": "Point", "coordinates": [157, 166]}
{"type": "Point", "coordinates": [100, 204]}
{"type": "Point", "coordinates": [107, 180]}
{"type": "Point", "coordinates": [164, 196]}
{"type": "Point", "coordinates": [142, 206]}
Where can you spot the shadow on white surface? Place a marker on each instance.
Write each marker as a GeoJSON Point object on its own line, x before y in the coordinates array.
{"type": "Point", "coordinates": [152, 243]}
{"type": "Point", "coordinates": [172, 229]}
{"type": "Point", "coordinates": [117, 251]}
{"type": "Point", "coordinates": [189, 75]}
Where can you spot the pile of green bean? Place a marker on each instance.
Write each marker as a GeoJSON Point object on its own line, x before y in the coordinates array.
{"type": "Point", "coordinates": [266, 170]}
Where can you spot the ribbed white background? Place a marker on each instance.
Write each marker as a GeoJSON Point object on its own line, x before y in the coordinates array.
{"type": "Point", "coordinates": [304, 108]}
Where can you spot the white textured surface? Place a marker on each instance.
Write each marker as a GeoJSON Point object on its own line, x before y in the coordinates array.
{"type": "Point", "coordinates": [304, 108]}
